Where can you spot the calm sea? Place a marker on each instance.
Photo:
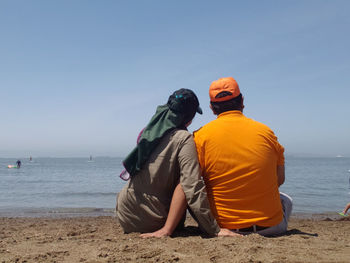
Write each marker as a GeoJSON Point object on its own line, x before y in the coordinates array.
{"type": "Point", "coordinates": [75, 186]}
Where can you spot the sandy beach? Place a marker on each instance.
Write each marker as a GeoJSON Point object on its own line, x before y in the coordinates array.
{"type": "Point", "coordinates": [100, 239]}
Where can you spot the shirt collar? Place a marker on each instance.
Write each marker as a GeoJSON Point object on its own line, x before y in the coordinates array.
{"type": "Point", "coordinates": [231, 113]}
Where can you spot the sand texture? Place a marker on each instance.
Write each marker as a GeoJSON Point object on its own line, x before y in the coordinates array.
{"type": "Point", "coordinates": [100, 239]}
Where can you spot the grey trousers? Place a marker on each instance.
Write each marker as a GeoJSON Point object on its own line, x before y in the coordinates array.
{"type": "Point", "coordinates": [281, 228]}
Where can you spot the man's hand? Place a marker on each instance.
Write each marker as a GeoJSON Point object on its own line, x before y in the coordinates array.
{"type": "Point", "coordinates": [224, 232]}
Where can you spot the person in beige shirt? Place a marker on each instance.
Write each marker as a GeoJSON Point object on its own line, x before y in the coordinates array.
{"type": "Point", "coordinates": [165, 176]}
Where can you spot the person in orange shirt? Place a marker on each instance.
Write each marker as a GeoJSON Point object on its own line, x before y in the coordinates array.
{"type": "Point", "coordinates": [242, 165]}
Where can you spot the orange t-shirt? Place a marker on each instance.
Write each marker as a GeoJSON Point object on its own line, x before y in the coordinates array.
{"type": "Point", "coordinates": [239, 158]}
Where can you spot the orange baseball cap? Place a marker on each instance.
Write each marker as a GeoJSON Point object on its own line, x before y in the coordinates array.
{"type": "Point", "coordinates": [227, 86]}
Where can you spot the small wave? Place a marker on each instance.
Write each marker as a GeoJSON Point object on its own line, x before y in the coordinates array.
{"type": "Point", "coordinates": [86, 194]}
{"type": "Point", "coordinates": [56, 212]}
{"type": "Point", "coordinates": [79, 210]}
{"type": "Point", "coordinates": [47, 181]}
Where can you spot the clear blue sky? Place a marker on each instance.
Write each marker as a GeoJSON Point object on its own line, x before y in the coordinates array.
{"type": "Point", "coordinates": [83, 77]}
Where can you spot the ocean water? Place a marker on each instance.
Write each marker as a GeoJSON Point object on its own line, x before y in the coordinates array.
{"type": "Point", "coordinates": [76, 185]}
{"type": "Point", "coordinates": [318, 185]}
{"type": "Point", "coordinates": [59, 186]}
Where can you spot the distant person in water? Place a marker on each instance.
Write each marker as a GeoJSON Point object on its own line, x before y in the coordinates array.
{"type": "Point", "coordinates": [346, 208]}
{"type": "Point", "coordinates": [18, 163]}
{"type": "Point", "coordinates": [165, 176]}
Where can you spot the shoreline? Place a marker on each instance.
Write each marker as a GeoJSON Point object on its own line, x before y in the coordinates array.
{"type": "Point", "coordinates": [57, 212]}
{"type": "Point", "coordinates": [101, 239]}
{"type": "Point", "coordinates": [68, 212]}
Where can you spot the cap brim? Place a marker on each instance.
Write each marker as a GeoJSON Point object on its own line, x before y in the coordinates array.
{"type": "Point", "coordinates": [199, 110]}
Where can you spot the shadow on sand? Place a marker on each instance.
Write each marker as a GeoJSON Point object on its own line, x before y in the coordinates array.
{"type": "Point", "coordinates": [298, 232]}
{"type": "Point", "coordinates": [189, 231]}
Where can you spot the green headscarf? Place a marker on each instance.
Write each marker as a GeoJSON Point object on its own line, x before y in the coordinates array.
{"type": "Point", "coordinates": [181, 107]}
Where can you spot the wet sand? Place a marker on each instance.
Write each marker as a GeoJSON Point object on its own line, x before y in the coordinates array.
{"type": "Point", "coordinates": [100, 239]}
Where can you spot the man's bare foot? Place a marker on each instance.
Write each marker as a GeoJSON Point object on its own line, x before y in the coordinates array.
{"type": "Point", "coordinates": [159, 233]}
{"type": "Point", "coordinates": [224, 232]}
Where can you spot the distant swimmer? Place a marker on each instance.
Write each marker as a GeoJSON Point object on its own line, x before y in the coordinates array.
{"type": "Point", "coordinates": [18, 163]}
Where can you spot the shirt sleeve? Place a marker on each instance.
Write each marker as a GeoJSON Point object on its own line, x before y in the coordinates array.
{"type": "Point", "coordinates": [278, 147]}
{"type": "Point", "coordinates": [194, 187]}
{"type": "Point", "coordinates": [280, 159]}
{"type": "Point", "coordinates": [200, 152]}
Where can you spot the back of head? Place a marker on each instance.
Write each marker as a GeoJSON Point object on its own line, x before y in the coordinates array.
{"type": "Point", "coordinates": [184, 102]}
{"type": "Point", "coordinates": [225, 95]}
{"type": "Point", "coordinates": [180, 109]}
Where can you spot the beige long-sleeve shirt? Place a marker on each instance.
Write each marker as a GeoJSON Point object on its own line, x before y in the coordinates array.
{"type": "Point", "coordinates": [143, 204]}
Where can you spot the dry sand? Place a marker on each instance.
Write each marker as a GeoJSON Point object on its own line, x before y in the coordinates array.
{"type": "Point", "coordinates": [100, 239]}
